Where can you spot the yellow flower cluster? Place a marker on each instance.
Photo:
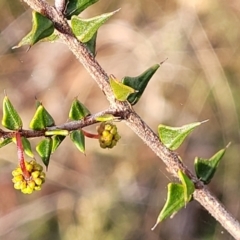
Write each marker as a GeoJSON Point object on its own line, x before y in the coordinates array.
{"type": "Point", "coordinates": [108, 135]}
{"type": "Point", "coordinates": [35, 181]}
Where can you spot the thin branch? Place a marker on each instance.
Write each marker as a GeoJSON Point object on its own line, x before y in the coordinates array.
{"type": "Point", "coordinates": [70, 126]}
{"type": "Point", "coordinates": [170, 158]}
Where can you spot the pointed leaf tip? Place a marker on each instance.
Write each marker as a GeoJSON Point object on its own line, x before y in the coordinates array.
{"type": "Point", "coordinates": [84, 29]}
{"type": "Point", "coordinates": [10, 120]}
{"type": "Point", "coordinates": [206, 168]}
{"type": "Point", "coordinates": [42, 27]}
{"type": "Point", "coordinates": [178, 196]}
{"type": "Point", "coordinates": [175, 201]}
{"type": "Point", "coordinates": [78, 111]}
{"type": "Point", "coordinates": [139, 83]}
{"type": "Point", "coordinates": [78, 139]}
{"type": "Point", "coordinates": [44, 149]}
{"type": "Point", "coordinates": [41, 119]}
{"type": "Point", "coordinates": [5, 141]}
{"type": "Point", "coordinates": [173, 137]}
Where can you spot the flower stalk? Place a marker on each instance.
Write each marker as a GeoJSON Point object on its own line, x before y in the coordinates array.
{"type": "Point", "coordinates": [21, 160]}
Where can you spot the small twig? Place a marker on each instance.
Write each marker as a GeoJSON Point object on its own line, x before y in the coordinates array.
{"type": "Point", "coordinates": [70, 126]}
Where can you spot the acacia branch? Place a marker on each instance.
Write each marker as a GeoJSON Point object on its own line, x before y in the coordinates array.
{"type": "Point", "coordinates": [69, 126]}
{"type": "Point", "coordinates": [170, 158]}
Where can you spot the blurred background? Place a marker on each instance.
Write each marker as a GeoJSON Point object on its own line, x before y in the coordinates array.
{"type": "Point", "coordinates": [117, 194]}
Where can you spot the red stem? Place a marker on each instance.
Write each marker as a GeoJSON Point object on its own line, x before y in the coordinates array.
{"type": "Point", "coordinates": [90, 135]}
{"type": "Point", "coordinates": [21, 156]}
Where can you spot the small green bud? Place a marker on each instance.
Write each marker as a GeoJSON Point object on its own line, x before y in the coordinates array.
{"type": "Point", "coordinates": [108, 135]}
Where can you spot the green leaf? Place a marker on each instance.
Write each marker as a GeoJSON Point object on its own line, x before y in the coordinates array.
{"type": "Point", "coordinates": [60, 132]}
{"type": "Point", "coordinates": [74, 7]}
{"type": "Point", "coordinates": [178, 196]}
{"type": "Point", "coordinates": [42, 27]}
{"type": "Point", "coordinates": [78, 139]}
{"type": "Point", "coordinates": [84, 29]}
{"type": "Point", "coordinates": [78, 111]}
{"type": "Point", "coordinates": [175, 201]}
{"type": "Point", "coordinates": [120, 91]}
{"type": "Point", "coordinates": [173, 137]}
{"type": "Point", "coordinates": [44, 149]}
{"type": "Point", "coordinates": [52, 38]}
{"type": "Point", "coordinates": [27, 147]}
{"type": "Point", "coordinates": [139, 83]}
{"type": "Point", "coordinates": [91, 44]}
{"type": "Point", "coordinates": [57, 139]}
{"type": "Point", "coordinates": [105, 118]}
{"type": "Point", "coordinates": [41, 119]}
{"type": "Point", "coordinates": [10, 120]}
{"type": "Point", "coordinates": [5, 141]}
{"type": "Point", "coordinates": [205, 168]}
{"type": "Point", "coordinates": [188, 186]}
